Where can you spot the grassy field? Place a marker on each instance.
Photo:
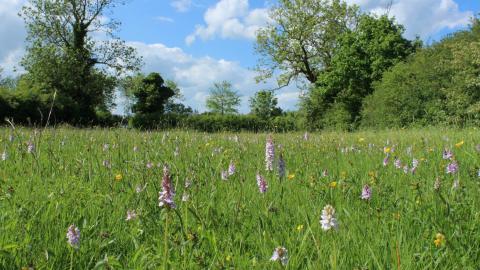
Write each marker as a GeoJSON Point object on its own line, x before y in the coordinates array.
{"type": "Point", "coordinates": [426, 219]}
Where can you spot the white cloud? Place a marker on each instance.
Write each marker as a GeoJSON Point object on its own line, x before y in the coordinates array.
{"type": "Point", "coordinates": [164, 19]}
{"type": "Point", "coordinates": [420, 17]}
{"type": "Point", "coordinates": [12, 34]}
{"type": "Point", "coordinates": [195, 75]}
{"type": "Point", "coordinates": [181, 5]}
{"type": "Point", "coordinates": [230, 19]}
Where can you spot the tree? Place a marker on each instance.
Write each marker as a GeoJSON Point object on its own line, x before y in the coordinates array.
{"type": "Point", "coordinates": [223, 99]}
{"type": "Point", "coordinates": [300, 40]}
{"type": "Point", "coordinates": [439, 84]}
{"type": "Point", "coordinates": [264, 104]}
{"type": "Point", "coordinates": [64, 57]}
{"type": "Point", "coordinates": [363, 54]}
{"type": "Point", "coordinates": [150, 93]}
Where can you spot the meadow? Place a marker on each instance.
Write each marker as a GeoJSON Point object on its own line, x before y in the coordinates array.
{"type": "Point", "coordinates": [403, 199]}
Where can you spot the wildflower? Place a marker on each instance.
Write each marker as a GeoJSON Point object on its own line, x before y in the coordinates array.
{"type": "Point", "coordinates": [269, 154]}
{"type": "Point", "coordinates": [386, 150]}
{"type": "Point", "coordinates": [281, 166]}
{"type": "Point", "coordinates": [300, 227]}
{"type": "Point", "coordinates": [386, 160]}
{"type": "Point", "coordinates": [447, 154]}
{"type": "Point", "coordinates": [361, 139]}
{"type": "Point", "coordinates": [135, 148]}
{"type": "Point", "coordinates": [291, 176]}
{"type": "Point", "coordinates": [439, 240]}
{"type": "Point", "coordinates": [149, 165]}
{"type": "Point", "coordinates": [456, 184]}
{"type": "Point", "coordinates": [452, 167]}
{"type": "Point", "coordinates": [333, 184]}
{"type": "Point", "coordinates": [459, 144]}
{"type": "Point", "coordinates": [231, 168]}
{"type": "Point", "coordinates": [305, 136]}
{"type": "Point", "coordinates": [415, 163]}
{"type": "Point", "coordinates": [366, 193]}
{"type": "Point", "coordinates": [262, 184]}
{"type": "Point", "coordinates": [397, 163]}
{"type": "Point", "coordinates": [139, 188]}
{"type": "Point", "coordinates": [280, 254]}
{"type": "Point", "coordinates": [73, 236]}
{"type": "Point", "coordinates": [118, 177]}
{"type": "Point", "coordinates": [409, 150]}
{"type": "Point", "coordinates": [105, 147]}
{"type": "Point", "coordinates": [165, 197]}
{"type": "Point", "coordinates": [328, 219]}
{"type": "Point", "coordinates": [325, 173]}
{"type": "Point", "coordinates": [185, 197]}
{"type": "Point", "coordinates": [131, 214]}
{"type": "Point", "coordinates": [4, 155]}
{"type": "Point", "coordinates": [106, 164]}
{"type": "Point", "coordinates": [224, 175]}
{"type": "Point", "coordinates": [30, 147]}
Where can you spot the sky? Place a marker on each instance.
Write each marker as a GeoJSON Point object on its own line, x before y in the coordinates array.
{"type": "Point", "coordinates": [199, 42]}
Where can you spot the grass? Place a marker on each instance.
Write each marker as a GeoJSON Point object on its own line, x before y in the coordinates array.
{"type": "Point", "coordinates": [230, 224]}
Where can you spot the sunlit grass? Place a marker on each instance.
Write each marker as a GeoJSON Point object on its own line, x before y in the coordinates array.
{"type": "Point", "coordinates": [91, 178]}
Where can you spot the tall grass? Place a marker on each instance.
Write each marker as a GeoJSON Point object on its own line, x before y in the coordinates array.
{"type": "Point", "coordinates": [230, 224]}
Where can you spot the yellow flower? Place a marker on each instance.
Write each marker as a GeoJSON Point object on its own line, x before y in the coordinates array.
{"type": "Point", "coordinates": [333, 184]}
{"type": "Point", "coordinates": [291, 176]}
{"type": "Point", "coordinates": [439, 240]}
{"type": "Point", "coordinates": [387, 150]}
{"type": "Point", "coordinates": [228, 258]}
{"type": "Point", "coordinates": [300, 227]}
{"type": "Point", "coordinates": [118, 177]}
{"type": "Point", "coordinates": [361, 139]}
{"type": "Point", "coordinates": [459, 144]}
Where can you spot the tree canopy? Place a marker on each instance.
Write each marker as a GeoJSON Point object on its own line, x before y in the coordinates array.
{"type": "Point", "coordinates": [223, 99]}
{"type": "Point", "coordinates": [300, 39]}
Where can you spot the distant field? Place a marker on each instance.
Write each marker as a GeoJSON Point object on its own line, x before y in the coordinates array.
{"type": "Point", "coordinates": [422, 218]}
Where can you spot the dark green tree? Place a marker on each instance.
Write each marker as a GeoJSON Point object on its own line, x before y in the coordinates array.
{"type": "Point", "coordinates": [63, 56]}
{"type": "Point", "coordinates": [363, 54]}
{"type": "Point", "coordinates": [264, 104]}
{"type": "Point", "coordinates": [440, 84]}
{"type": "Point", "coordinates": [151, 94]}
{"type": "Point", "coordinates": [223, 99]}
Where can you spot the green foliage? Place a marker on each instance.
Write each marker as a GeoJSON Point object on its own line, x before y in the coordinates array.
{"type": "Point", "coordinates": [363, 55]}
{"type": "Point", "coordinates": [64, 59]}
{"type": "Point", "coordinates": [264, 105]}
{"type": "Point", "coordinates": [300, 39]}
{"type": "Point", "coordinates": [223, 99]}
{"type": "Point", "coordinates": [150, 94]}
{"type": "Point", "coordinates": [438, 85]}
{"type": "Point", "coordinates": [216, 122]}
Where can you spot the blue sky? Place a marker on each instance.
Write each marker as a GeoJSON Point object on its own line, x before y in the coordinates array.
{"type": "Point", "coordinates": [199, 42]}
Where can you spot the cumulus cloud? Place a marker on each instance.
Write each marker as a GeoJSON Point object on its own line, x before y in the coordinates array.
{"type": "Point", "coordinates": [195, 75]}
{"type": "Point", "coordinates": [230, 19]}
{"type": "Point", "coordinates": [420, 17]}
{"type": "Point", "coordinates": [12, 33]}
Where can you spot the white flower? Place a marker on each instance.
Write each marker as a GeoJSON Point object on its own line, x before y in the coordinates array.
{"type": "Point", "coordinates": [328, 219]}
{"type": "Point", "coordinates": [4, 155]}
{"type": "Point", "coordinates": [280, 254]}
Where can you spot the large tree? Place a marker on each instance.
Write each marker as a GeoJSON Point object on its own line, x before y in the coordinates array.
{"type": "Point", "coordinates": [361, 57]}
{"type": "Point", "coordinates": [72, 50]}
{"type": "Point", "coordinates": [223, 99]}
{"type": "Point", "coordinates": [300, 40]}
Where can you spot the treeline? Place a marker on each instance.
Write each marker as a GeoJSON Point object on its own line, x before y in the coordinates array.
{"type": "Point", "coordinates": [359, 72]}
